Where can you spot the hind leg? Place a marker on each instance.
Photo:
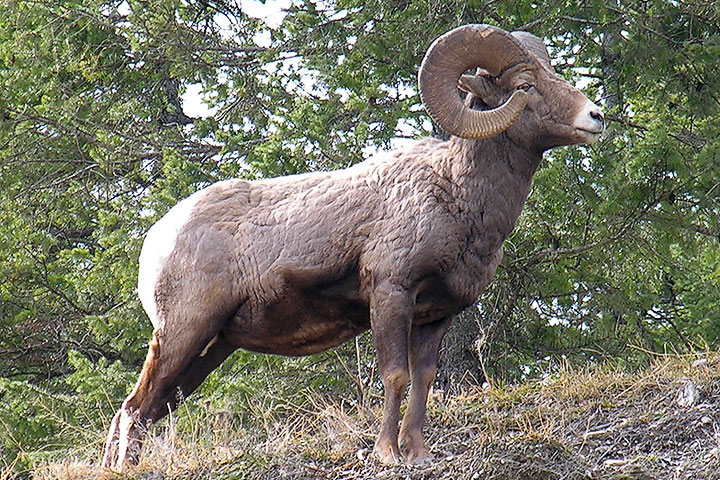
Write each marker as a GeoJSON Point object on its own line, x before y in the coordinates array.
{"type": "Point", "coordinates": [123, 441]}
{"type": "Point", "coordinates": [212, 357]}
{"type": "Point", "coordinates": [171, 365]}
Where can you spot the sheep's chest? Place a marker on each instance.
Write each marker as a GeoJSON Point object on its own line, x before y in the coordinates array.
{"type": "Point", "coordinates": [473, 274]}
{"type": "Point", "coordinates": [463, 259]}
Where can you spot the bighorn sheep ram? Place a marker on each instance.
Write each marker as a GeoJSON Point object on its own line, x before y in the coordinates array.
{"type": "Point", "coordinates": [299, 264]}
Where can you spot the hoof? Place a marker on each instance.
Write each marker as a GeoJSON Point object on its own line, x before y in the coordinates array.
{"type": "Point", "coordinates": [123, 445]}
{"type": "Point", "coordinates": [420, 456]}
{"type": "Point", "coordinates": [362, 454]}
{"type": "Point", "coordinates": [111, 445]}
{"type": "Point", "coordinates": [387, 455]}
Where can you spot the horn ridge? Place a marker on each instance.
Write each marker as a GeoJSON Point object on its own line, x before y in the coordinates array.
{"type": "Point", "coordinates": [450, 55]}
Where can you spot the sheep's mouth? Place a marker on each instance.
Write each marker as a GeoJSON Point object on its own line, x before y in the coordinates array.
{"type": "Point", "coordinates": [591, 132]}
{"type": "Point", "coordinates": [588, 136]}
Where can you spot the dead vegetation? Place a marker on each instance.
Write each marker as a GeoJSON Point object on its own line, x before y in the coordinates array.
{"type": "Point", "coordinates": [600, 423]}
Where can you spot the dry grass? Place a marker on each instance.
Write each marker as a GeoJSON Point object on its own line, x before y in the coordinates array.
{"type": "Point", "coordinates": [590, 423]}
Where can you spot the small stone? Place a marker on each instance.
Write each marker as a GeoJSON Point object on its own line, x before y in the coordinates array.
{"type": "Point", "coordinates": [700, 362]}
{"type": "Point", "coordinates": [154, 475]}
{"type": "Point", "coordinates": [362, 454]}
{"type": "Point", "coordinates": [688, 395]}
{"type": "Point", "coordinates": [705, 420]}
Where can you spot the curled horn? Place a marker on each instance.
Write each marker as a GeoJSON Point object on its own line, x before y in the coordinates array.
{"type": "Point", "coordinates": [453, 53]}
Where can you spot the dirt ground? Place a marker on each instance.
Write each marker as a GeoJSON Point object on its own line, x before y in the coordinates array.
{"type": "Point", "coordinates": [600, 423]}
{"type": "Point", "coordinates": [660, 424]}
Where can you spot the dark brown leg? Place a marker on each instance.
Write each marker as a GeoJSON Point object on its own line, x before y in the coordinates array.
{"type": "Point", "coordinates": [155, 395]}
{"type": "Point", "coordinates": [193, 376]}
{"type": "Point", "coordinates": [174, 360]}
{"type": "Point", "coordinates": [424, 344]}
{"type": "Point", "coordinates": [390, 316]}
{"type": "Point", "coordinates": [123, 441]}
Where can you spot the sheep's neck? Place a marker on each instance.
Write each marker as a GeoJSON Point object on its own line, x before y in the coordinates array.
{"type": "Point", "coordinates": [479, 159]}
{"type": "Point", "coordinates": [493, 178]}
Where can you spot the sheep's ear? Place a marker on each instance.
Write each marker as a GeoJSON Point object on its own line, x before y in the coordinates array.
{"type": "Point", "coordinates": [536, 47]}
{"type": "Point", "coordinates": [479, 85]}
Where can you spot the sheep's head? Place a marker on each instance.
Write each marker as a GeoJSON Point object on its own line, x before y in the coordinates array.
{"type": "Point", "coordinates": [515, 79]}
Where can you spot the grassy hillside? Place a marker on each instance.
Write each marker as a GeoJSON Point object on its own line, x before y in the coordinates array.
{"type": "Point", "coordinates": [660, 423]}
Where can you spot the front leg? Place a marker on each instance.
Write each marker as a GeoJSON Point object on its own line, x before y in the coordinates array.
{"type": "Point", "coordinates": [424, 345]}
{"type": "Point", "coordinates": [390, 318]}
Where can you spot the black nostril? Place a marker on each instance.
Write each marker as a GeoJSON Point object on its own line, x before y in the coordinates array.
{"type": "Point", "coordinates": [597, 116]}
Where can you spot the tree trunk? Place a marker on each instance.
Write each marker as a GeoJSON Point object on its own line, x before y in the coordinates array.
{"type": "Point", "coordinates": [459, 365]}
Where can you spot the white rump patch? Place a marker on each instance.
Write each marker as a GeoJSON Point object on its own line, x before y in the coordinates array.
{"type": "Point", "coordinates": [159, 244]}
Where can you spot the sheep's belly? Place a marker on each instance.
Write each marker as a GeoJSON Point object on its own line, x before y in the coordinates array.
{"type": "Point", "coordinates": [301, 324]}
{"type": "Point", "coordinates": [312, 318]}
